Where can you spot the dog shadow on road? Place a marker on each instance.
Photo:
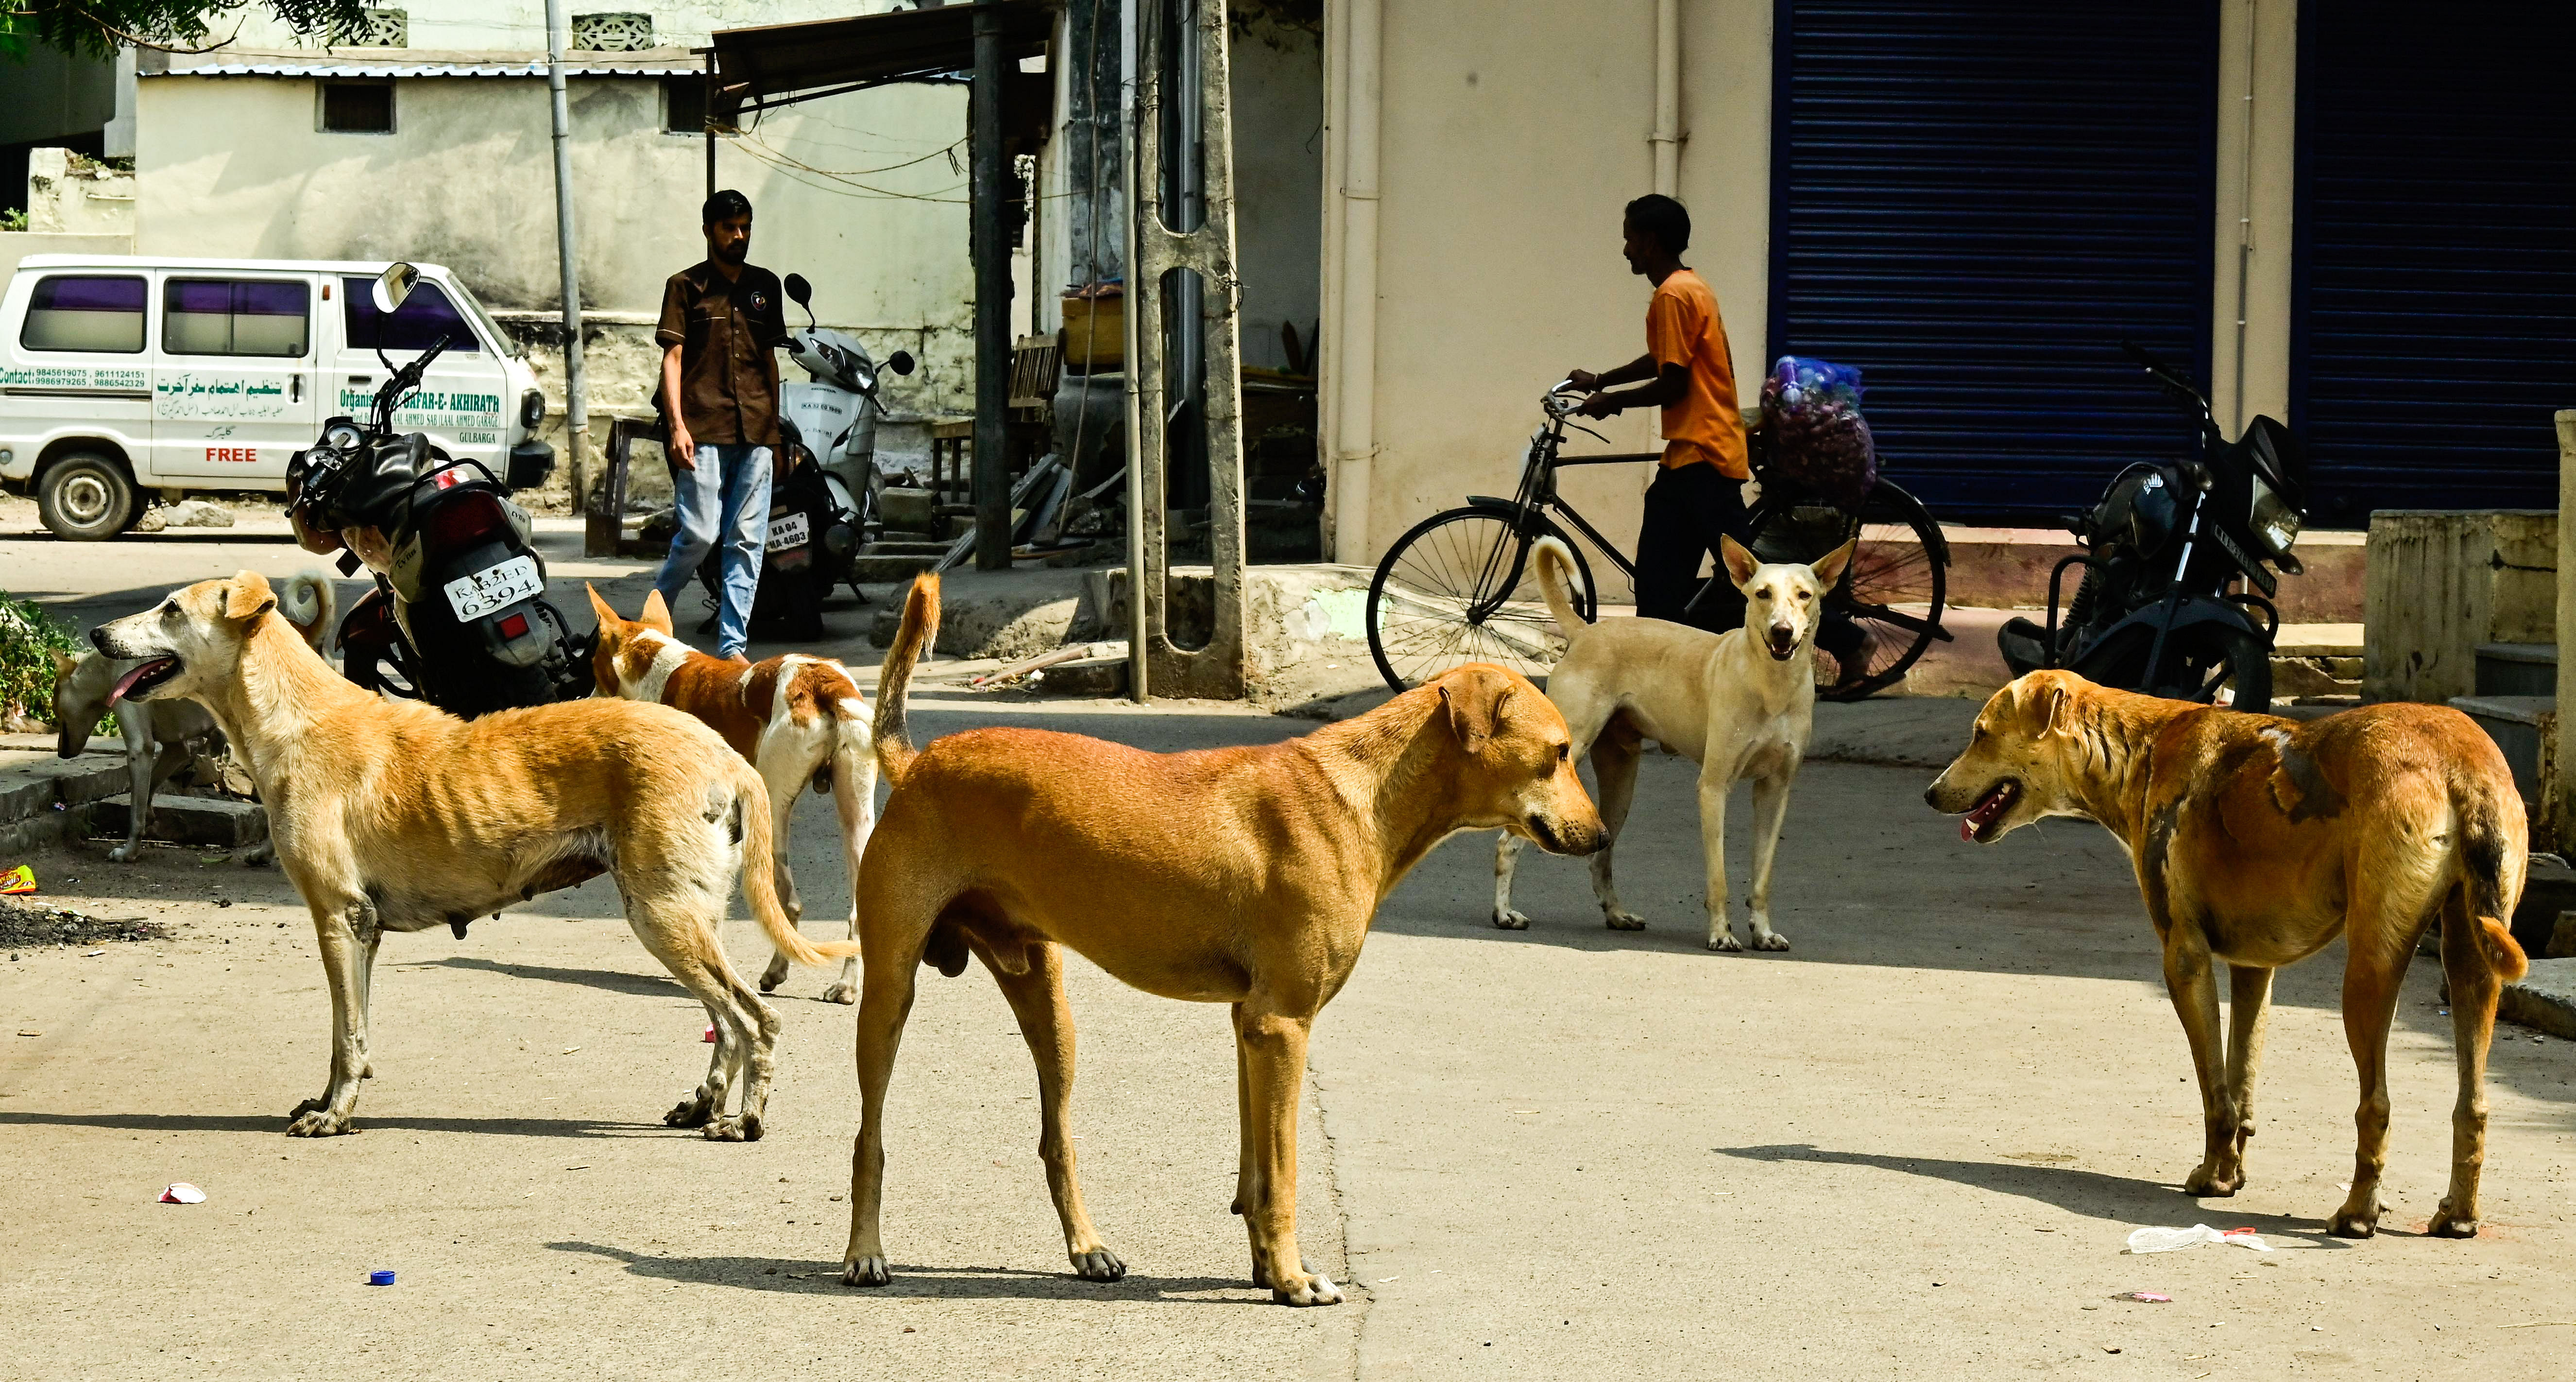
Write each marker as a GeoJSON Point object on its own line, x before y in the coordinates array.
{"type": "Point", "coordinates": [275, 1124]}
{"type": "Point", "coordinates": [803, 1276]}
{"type": "Point", "coordinates": [2093, 1194]}
{"type": "Point", "coordinates": [610, 980]}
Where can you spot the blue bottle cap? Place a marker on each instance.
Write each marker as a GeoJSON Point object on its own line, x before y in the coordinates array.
{"type": "Point", "coordinates": [380, 1278]}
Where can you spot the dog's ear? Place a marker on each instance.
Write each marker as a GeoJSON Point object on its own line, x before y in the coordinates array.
{"type": "Point", "coordinates": [63, 663]}
{"type": "Point", "coordinates": [248, 597]}
{"type": "Point", "coordinates": [1740, 564]}
{"type": "Point", "coordinates": [608, 620]}
{"type": "Point", "coordinates": [657, 615]}
{"type": "Point", "coordinates": [1830, 569]}
{"type": "Point", "coordinates": [2047, 704]}
{"type": "Point", "coordinates": [1474, 698]}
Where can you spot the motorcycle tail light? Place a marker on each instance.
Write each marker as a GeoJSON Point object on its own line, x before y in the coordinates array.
{"type": "Point", "coordinates": [516, 626]}
{"type": "Point", "coordinates": [465, 519]}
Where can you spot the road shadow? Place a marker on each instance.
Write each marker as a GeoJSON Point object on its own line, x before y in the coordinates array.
{"type": "Point", "coordinates": [2092, 1194]}
{"type": "Point", "coordinates": [607, 980]}
{"type": "Point", "coordinates": [274, 1125]}
{"type": "Point", "coordinates": [804, 1276]}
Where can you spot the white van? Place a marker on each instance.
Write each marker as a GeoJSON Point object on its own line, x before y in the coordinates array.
{"type": "Point", "coordinates": [124, 378]}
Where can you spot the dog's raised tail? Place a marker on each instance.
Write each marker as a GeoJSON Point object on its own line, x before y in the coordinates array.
{"type": "Point", "coordinates": [760, 874]}
{"type": "Point", "coordinates": [2493, 858]}
{"type": "Point", "coordinates": [894, 680]}
{"type": "Point", "coordinates": [1552, 563]}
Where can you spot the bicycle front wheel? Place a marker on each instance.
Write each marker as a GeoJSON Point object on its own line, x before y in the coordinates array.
{"type": "Point", "coordinates": [1459, 588]}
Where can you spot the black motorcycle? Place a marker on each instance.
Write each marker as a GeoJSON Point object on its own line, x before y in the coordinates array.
{"type": "Point", "coordinates": [2154, 612]}
{"type": "Point", "coordinates": [458, 617]}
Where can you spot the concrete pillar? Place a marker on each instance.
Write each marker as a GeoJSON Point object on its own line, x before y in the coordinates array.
{"type": "Point", "coordinates": [2562, 785]}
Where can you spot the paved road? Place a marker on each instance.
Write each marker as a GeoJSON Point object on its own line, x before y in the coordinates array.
{"type": "Point", "coordinates": [1909, 1148]}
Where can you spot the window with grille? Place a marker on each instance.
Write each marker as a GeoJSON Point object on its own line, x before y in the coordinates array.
{"type": "Point", "coordinates": [612, 33]}
{"type": "Point", "coordinates": [374, 29]}
{"type": "Point", "coordinates": [358, 107]}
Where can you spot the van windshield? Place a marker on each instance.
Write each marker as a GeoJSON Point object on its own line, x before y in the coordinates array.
{"type": "Point", "coordinates": [424, 317]}
{"type": "Point", "coordinates": [509, 346]}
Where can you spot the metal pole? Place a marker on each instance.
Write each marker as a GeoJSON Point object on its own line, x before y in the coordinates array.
{"type": "Point", "coordinates": [1131, 139]}
{"type": "Point", "coordinates": [567, 253]}
{"type": "Point", "coordinates": [707, 119]}
{"type": "Point", "coordinates": [992, 258]}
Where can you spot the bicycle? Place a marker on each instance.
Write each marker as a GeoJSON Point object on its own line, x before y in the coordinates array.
{"type": "Point", "coordinates": [1457, 587]}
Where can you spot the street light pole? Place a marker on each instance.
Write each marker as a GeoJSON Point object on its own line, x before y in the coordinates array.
{"type": "Point", "coordinates": [576, 407]}
{"type": "Point", "coordinates": [992, 259]}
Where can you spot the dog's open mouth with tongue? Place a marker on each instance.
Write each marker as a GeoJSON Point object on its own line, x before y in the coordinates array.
{"type": "Point", "coordinates": [138, 682]}
{"type": "Point", "coordinates": [1977, 826]}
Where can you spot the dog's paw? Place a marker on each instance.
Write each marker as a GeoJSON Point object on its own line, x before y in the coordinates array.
{"type": "Point", "coordinates": [691, 1112]}
{"type": "Point", "coordinates": [2349, 1223]}
{"type": "Point", "coordinates": [838, 992]}
{"type": "Point", "coordinates": [1623, 921]}
{"type": "Point", "coordinates": [259, 856]}
{"type": "Point", "coordinates": [2213, 1183]}
{"type": "Point", "coordinates": [775, 975]}
{"type": "Point", "coordinates": [1506, 919]}
{"type": "Point", "coordinates": [1099, 1264]}
{"type": "Point", "coordinates": [1724, 942]}
{"type": "Point", "coordinates": [1261, 1274]}
{"type": "Point", "coordinates": [124, 853]}
{"type": "Point", "coordinates": [1771, 940]}
{"type": "Point", "coordinates": [320, 1122]}
{"type": "Point", "coordinates": [865, 1271]}
{"type": "Point", "coordinates": [1315, 1289]}
{"type": "Point", "coordinates": [733, 1128]}
{"type": "Point", "coordinates": [2449, 1225]}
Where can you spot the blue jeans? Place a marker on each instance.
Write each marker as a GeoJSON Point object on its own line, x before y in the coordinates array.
{"type": "Point", "coordinates": [727, 494]}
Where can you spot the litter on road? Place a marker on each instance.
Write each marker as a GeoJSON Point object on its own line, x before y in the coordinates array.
{"type": "Point", "coordinates": [2152, 1297]}
{"type": "Point", "coordinates": [181, 1192]}
{"type": "Point", "coordinates": [380, 1278]}
{"type": "Point", "coordinates": [21, 879]}
{"type": "Point", "coordinates": [2147, 1240]}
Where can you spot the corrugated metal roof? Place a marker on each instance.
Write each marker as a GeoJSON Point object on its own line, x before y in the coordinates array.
{"type": "Point", "coordinates": [421, 69]}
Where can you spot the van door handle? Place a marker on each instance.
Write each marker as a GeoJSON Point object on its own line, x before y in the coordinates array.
{"type": "Point", "coordinates": [295, 389]}
{"type": "Point", "coordinates": [357, 379]}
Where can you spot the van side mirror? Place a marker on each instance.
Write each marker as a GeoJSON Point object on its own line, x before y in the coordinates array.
{"type": "Point", "coordinates": [395, 284]}
{"type": "Point", "coordinates": [799, 291]}
{"type": "Point", "coordinates": [900, 362]}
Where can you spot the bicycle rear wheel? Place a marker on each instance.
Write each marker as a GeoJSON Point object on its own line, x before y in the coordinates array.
{"type": "Point", "coordinates": [1892, 592]}
{"type": "Point", "coordinates": [1458, 588]}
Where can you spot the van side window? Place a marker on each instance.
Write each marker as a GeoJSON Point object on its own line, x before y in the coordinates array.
{"type": "Point", "coordinates": [424, 316]}
{"type": "Point", "coordinates": [236, 316]}
{"type": "Point", "coordinates": [85, 312]}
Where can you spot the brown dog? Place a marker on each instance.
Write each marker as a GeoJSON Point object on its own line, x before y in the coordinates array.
{"type": "Point", "coordinates": [2256, 840]}
{"type": "Point", "coordinates": [396, 816]}
{"type": "Point", "coordinates": [1246, 876]}
{"type": "Point", "coordinates": [797, 719]}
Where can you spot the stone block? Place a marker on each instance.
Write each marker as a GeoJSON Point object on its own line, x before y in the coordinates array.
{"type": "Point", "coordinates": [217, 821]}
{"type": "Point", "coordinates": [1102, 677]}
{"type": "Point", "coordinates": [2544, 1000]}
{"type": "Point", "coordinates": [2442, 583]}
{"type": "Point", "coordinates": [903, 508]}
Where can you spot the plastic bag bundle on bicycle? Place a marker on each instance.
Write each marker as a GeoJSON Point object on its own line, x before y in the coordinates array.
{"type": "Point", "coordinates": [1819, 443]}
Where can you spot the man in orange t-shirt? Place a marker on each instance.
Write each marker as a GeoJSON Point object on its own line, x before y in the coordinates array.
{"type": "Point", "coordinates": [1698, 496]}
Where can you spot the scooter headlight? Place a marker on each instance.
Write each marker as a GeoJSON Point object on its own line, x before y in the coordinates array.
{"type": "Point", "coordinates": [2275, 519]}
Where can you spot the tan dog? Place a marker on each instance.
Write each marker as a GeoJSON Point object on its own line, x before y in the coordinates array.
{"type": "Point", "coordinates": [797, 719]}
{"type": "Point", "coordinates": [1739, 704]}
{"type": "Point", "coordinates": [160, 738]}
{"type": "Point", "coordinates": [2257, 840]}
{"type": "Point", "coordinates": [1245, 876]}
{"type": "Point", "coordinates": [396, 816]}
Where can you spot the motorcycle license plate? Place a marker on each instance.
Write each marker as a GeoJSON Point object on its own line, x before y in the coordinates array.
{"type": "Point", "coordinates": [495, 588]}
{"type": "Point", "coordinates": [791, 531]}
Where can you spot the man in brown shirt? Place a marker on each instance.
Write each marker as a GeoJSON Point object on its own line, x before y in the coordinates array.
{"type": "Point", "coordinates": [722, 323]}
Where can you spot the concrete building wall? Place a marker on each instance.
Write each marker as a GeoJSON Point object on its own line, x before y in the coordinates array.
{"type": "Point", "coordinates": [1278, 106]}
{"type": "Point", "coordinates": [2258, 72]}
{"type": "Point", "coordinates": [236, 166]}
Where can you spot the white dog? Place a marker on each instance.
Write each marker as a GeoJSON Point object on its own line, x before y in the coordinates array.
{"type": "Point", "coordinates": [1740, 704]}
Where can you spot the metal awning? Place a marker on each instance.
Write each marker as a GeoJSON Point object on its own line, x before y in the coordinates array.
{"type": "Point", "coordinates": [779, 64]}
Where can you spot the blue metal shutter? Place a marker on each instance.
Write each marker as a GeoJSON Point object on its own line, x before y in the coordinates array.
{"type": "Point", "coordinates": [2435, 323]}
{"type": "Point", "coordinates": [1975, 202]}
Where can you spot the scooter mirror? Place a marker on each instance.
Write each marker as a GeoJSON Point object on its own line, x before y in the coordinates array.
{"type": "Point", "coordinates": [900, 362]}
{"type": "Point", "coordinates": [393, 285]}
{"type": "Point", "coordinates": [799, 291]}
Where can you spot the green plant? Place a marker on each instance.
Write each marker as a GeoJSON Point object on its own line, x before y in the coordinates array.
{"type": "Point", "coordinates": [29, 638]}
{"type": "Point", "coordinates": [13, 218]}
{"type": "Point", "coordinates": [98, 28]}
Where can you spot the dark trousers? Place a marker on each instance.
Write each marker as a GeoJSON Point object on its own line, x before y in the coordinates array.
{"type": "Point", "coordinates": [1688, 508]}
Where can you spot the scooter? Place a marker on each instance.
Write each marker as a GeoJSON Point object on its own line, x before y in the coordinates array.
{"type": "Point", "coordinates": [824, 488]}
{"type": "Point", "coordinates": [2154, 612]}
{"type": "Point", "coordinates": [458, 617]}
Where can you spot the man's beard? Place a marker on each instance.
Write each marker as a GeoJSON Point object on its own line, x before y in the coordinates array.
{"type": "Point", "coordinates": [732, 254]}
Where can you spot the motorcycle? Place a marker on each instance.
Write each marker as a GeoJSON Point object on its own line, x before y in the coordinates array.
{"type": "Point", "coordinates": [2154, 612]}
{"type": "Point", "coordinates": [823, 492]}
{"type": "Point", "coordinates": [458, 617]}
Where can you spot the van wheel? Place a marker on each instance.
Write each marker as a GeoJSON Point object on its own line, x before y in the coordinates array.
{"type": "Point", "coordinates": [86, 498]}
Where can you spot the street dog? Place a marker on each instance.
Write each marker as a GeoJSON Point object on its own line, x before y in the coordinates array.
{"type": "Point", "coordinates": [1740, 704]}
{"type": "Point", "coordinates": [2256, 841]}
{"type": "Point", "coordinates": [797, 719]}
{"type": "Point", "coordinates": [1246, 876]}
{"type": "Point", "coordinates": [396, 816]}
{"type": "Point", "coordinates": [160, 738]}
